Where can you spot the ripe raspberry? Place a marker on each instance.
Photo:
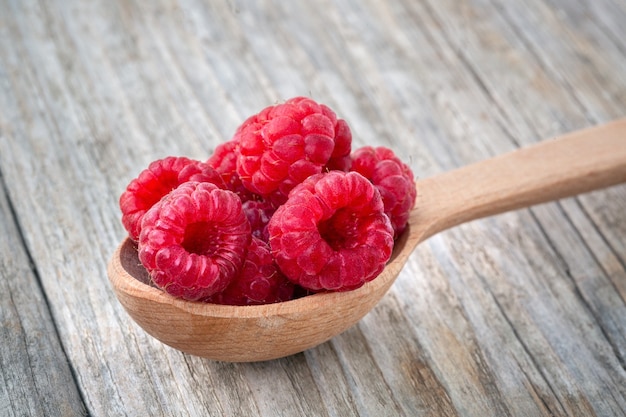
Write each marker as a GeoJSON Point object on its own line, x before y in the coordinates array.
{"type": "Point", "coordinates": [259, 213]}
{"type": "Point", "coordinates": [156, 181]}
{"type": "Point", "coordinates": [393, 179]}
{"type": "Point", "coordinates": [193, 242]}
{"type": "Point", "coordinates": [284, 144]}
{"type": "Point", "coordinates": [260, 280]}
{"type": "Point", "coordinates": [224, 161]}
{"type": "Point", "coordinates": [332, 233]}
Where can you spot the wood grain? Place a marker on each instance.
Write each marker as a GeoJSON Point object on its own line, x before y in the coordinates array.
{"type": "Point", "coordinates": [519, 314]}
{"type": "Point", "coordinates": [32, 359]}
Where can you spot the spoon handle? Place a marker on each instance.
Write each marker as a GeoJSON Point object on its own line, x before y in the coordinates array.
{"type": "Point", "coordinates": [575, 163]}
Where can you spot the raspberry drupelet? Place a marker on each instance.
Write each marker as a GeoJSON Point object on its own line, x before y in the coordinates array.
{"type": "Point", "coordinates": [155, 182]}
{"type": "Point", "coordinates": [284, 144]}
{"type": "Point", "coordinates": [393, 179]}
{"type": "Point", "coordinates": [332, 232]}
{"type": "Point", "coordinates": [193, 242]}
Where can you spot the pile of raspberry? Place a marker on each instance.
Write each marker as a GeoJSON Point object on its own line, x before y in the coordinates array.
{"type": "Point", "coordinates": [282, 210]}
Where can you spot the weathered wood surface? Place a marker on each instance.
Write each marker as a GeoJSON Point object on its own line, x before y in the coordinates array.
{"type": "Point", "coordinates": [520, 314]}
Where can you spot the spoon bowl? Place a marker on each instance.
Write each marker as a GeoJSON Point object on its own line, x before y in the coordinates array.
{"type": "Point", "coordinates": [575, 163]}
{"type": "Point", "coordinates": [243, 333]}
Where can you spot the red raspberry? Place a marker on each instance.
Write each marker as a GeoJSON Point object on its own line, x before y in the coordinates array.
{"type": "Point", "coordinates": [193, 242]}
{"type": "Point", "coordinates": [393, 179]}
{"type": "Point", "coordinates": [259, 213]}
{"type": "Point", "coordinates": [341, 160]}
{"type": "Point", "coordinates": [156, 181]}
{"type": "Point", "coordinates": [284, 144]}
{"type": "Point", "coordinates": [332, 233]}
{"type": "Point", "coordinates": [224, 161]}
{"type": "Point", "coordinates": [260, 280]}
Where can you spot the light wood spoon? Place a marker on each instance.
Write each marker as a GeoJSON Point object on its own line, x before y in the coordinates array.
{"type": "Point", "coordinates": [575, 163]}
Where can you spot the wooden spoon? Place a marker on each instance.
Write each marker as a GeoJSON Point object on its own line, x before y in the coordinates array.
{"type": "Point", "coordinates": [578, 162]}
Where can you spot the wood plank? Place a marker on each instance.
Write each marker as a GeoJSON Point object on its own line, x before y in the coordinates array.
{"type": "Point", "coordinates": [32, 359]}
{"type": "Point", "coordinates": [498, 84]}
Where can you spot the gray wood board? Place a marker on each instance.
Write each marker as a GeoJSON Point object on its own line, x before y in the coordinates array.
{"type": "Point", "coordinates": [519, 314]}
{"type": "Point", "coordinates": [36, 375]}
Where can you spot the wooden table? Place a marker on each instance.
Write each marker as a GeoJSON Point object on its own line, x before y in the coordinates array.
{"type": "Point", "coordinates": [521, 314]}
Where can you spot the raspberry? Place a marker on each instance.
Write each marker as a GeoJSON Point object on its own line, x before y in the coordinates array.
{"type": "Point", "coordinates": [224, 161]}
{"type": "Point", "coordinates": [259, 213]}
{"type": "Point", "coordinates": [156, 181]}
{"type": "Point", "coordinates": [393, 179]}
{"type": "Point", "coordinates": [260, 280]}
{"type": "Point", "coordinates": [341, 160]}
{"type": "Point", "coordinates": [332, 233]}
{"type": "Point", "coordinates": [284, 144]}
{"type": "Point", "coordinates": [193, 242]}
